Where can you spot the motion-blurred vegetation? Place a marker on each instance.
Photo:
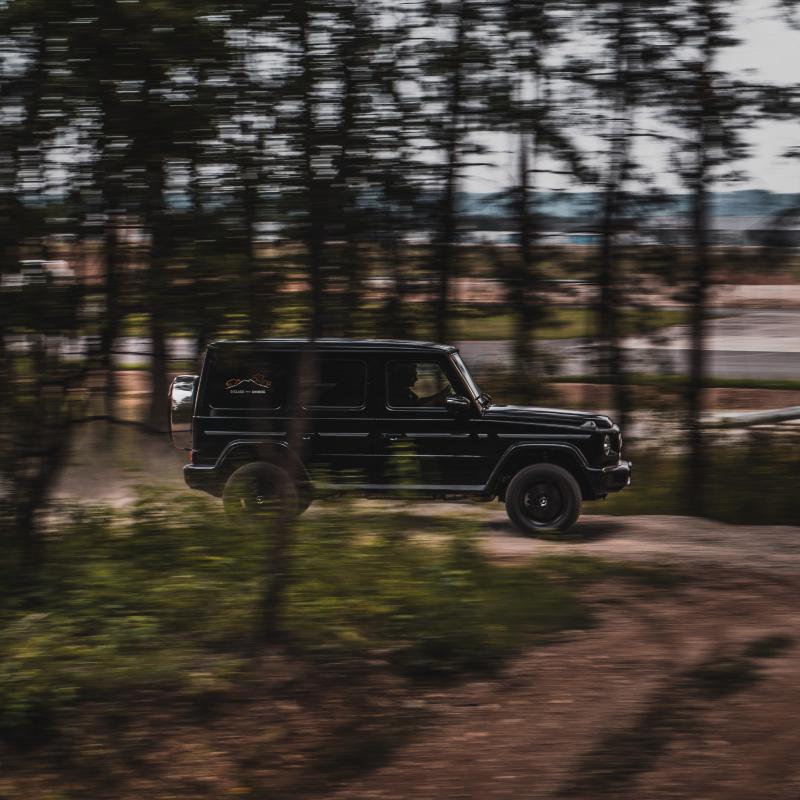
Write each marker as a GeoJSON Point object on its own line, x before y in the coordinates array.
{"type": "Point", "coordinates": [165, 598]}
{"type": "Point", "coordinates": [752, 480]}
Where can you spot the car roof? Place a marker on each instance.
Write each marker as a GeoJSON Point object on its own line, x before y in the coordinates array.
{"type": "Point", "coordinates": [328, 344]}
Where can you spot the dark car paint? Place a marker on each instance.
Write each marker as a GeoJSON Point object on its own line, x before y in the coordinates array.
{"type": "Point", "coordinates": [364, 449]}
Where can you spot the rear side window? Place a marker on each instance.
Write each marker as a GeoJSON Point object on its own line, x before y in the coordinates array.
{"type": "Point", "coordinates": [341, 383]}
{"type": "Point", "coordinates": [246, 380]}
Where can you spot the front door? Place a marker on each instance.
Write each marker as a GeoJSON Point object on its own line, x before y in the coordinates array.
{"type": "Point", "coordinates": [419, 444]}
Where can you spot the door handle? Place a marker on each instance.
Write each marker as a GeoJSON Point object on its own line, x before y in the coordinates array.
{"type": "Point", "coordinates": [394, 437]}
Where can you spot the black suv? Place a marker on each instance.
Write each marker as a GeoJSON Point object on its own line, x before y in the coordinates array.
{"type": "Point", "coordinates": [287, 419]}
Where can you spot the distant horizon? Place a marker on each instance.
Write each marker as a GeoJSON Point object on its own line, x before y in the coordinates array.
{"type": "Point", "coordinates": [568, 203]}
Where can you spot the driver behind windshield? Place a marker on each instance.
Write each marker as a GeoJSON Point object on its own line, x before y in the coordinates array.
{"type": "Point", "coordinates": [402, 378]}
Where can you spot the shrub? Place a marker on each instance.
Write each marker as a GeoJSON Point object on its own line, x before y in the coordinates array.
{"type": "Point", "coordinates": [166, 595]}
{"type": "Point", "coordinates": [752, 481]}
{"type": "Point", "coordinates": [423, 607]}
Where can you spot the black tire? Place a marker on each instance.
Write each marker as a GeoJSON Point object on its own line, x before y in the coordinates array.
{"type": "Point", "coordinates": [259, 488]}
{"type": "Point", "coordinates": [543, 497]}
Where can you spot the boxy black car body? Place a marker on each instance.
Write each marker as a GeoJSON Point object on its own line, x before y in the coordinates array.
{"type": "Point", "coordinates": [382, 417]}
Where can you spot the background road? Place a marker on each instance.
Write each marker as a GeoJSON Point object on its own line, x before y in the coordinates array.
{"type": "Point", "coordinates": [747, 344]}
{"type": "Point", "coordinates": [752, 344]}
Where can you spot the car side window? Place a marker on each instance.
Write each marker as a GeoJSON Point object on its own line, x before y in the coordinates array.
{"type": "Point", "coordinates": [416, 384]}
{"type": "Point", "coordinates": [340, 383]}
{"type": "Point", "coordinates": [246, 380]}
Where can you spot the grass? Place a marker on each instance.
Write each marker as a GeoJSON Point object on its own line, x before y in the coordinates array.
{"type": "Point", "coordinates": [481, 323]}
{"type": "Point", "coordinates": [560, 323]}
{"type": "Point", "coordinates": [165, 600]}
{"type": "Point", "coordinates": [679, 381]}
{"type": "Point", "coordinates": [753, 481]}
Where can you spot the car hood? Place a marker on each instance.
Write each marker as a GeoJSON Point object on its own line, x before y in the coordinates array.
{"type": "Point", "coordinates": [554, 416]}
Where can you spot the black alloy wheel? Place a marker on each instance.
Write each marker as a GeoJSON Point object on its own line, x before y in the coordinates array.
{"type": "Point", "coordinates": [260, 488]}
{"type": "Point", "coordinates": [543, 497]}
{"type": "Point", "coordinates": [543, 503]}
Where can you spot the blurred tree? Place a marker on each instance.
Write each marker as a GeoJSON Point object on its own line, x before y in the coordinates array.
{"type": "Point", "coordinates": [782, 102]}
{"type": "Point", "coordinates": [635, 41]}
{"type": "Point", "coordinates": [454, 71]}
{"type": "Point", "coordinates": [143, 73]}
{"type": "Point", "coordinates": [711, 111]}
{"type": "Point", "coordinates": [395, 180]}
{"type": "Point", "coordinates": [532, 104]}
{"type": "Point", "coordinates": [39, 313]}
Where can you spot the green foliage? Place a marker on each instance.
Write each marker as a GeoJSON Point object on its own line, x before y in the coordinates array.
{"type": "Point", "coordinates": [562, 323]}
{"type": "Point", "coordinates": [124, 603]}
{"type": "Point", "coordinates": [753, 481]}
{"type": "Point", "coordinates": [424, 607]}
{"type": "Point", "coordinates": [677, 383]}
{"type": "Point", "coordinates": [165, 597]}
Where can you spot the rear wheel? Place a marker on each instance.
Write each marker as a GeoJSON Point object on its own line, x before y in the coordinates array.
{"type": "Point", "coordinates": [543, 497]}
{"type": "Point", "coordinates": [260, 488]}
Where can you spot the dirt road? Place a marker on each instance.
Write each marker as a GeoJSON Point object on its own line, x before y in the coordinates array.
{"type": "Point", "coordinates": [686, 542]}
{"type": "Point", "coordinates": [689, 691]}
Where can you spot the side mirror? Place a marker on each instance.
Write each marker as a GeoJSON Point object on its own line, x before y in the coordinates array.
{"type": "Point", "coordinates": [458, 406]}
{"type": "Point", "coordinates": [181, 410]}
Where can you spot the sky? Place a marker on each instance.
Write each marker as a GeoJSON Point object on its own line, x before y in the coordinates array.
{"type": "Point", "coordinates": [769, 50]}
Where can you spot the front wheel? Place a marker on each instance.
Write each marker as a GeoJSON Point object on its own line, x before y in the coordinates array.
{"type": "Point", "coordinates": [260, 488]}
{"type": "Point", "coordinates": [543, 497]}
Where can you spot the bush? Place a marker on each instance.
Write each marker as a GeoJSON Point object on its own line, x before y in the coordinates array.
{"type": "Point", "coordinates": [165, 597]}
{"type": "Point", "coordinates": [752, 481]}
{"type": "Point", "coordinates": [423, 607]}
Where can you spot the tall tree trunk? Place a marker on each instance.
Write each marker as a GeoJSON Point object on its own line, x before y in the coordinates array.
{"type": "Point", "coordinates": [611, 357]}
{"type": "Point", "coordinates": [352, 254]}
{"type": "Point", "coordinates": [50, 441]}
{"type": "Point", "coordinates": [110, 196]}
{"type": "Point", "coordinates": [701, 270]}
{"type": "Point", "coordinates": [279, 562]}
{"type": "Point", "coordinates": [255, 312]}
{"type": "Point", "coordinates": [314, 189]}
{"type": "Point", "coordinates": [111, 323]}
{"type": "Point", "coordinates": [156, 293]}
{"type": "Point", "coordinates": [395, 308]}
{"type": "Point", "coordinates": [527, 279]}
{"type": "Point", "coordinates": [445, 246]}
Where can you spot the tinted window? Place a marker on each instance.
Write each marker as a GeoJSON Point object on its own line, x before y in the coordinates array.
{"type": "Point", "coordinates": [414, 384]}
{"type": "Point", "coordinates": [244, 380]}
{"type": "Point", "coordinates": [341, 384]}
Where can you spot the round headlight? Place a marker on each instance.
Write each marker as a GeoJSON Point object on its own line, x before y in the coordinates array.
{"type": "Point", "coordinates": [606, 444]}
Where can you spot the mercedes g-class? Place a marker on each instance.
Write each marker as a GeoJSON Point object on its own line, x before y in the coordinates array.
{"type": "Point", "coordinates": [287, 420]}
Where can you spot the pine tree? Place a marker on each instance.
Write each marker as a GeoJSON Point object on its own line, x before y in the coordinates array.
{"type": "Point", "coordinates": [533, 108]}
{"type": "Point", "coordinates": [638, 40]}
{"type": "Point", "coordinates": [711, 111]}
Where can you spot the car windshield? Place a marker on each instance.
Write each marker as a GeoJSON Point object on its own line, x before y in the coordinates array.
{"type": "Point", "coordinates": [468, 379]}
